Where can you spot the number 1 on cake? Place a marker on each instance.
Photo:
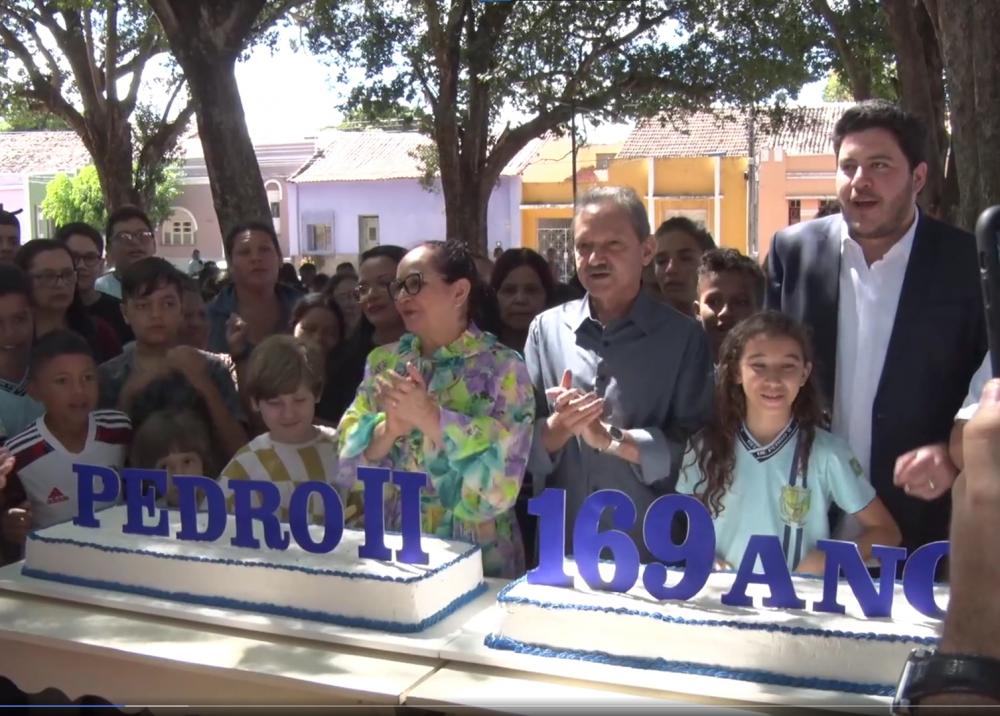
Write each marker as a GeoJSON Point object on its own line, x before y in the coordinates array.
{"type": "Point", "coordinates": [550, 509]}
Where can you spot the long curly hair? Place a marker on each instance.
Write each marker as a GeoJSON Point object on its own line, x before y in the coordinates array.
{"type": "Point", "coordinates": [715, 444]}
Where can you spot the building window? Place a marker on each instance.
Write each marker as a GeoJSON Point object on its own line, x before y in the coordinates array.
{"type": "Point", "coordinates": [319, 238]}
{"type": "Point", "coordinates": [273, 189]}
{"type": "Point", "coordinates": [555, 243]}
{"type": "Point", "coordinates": [367, 232]}
{"type": "Point", "coordinates": [180, 228]}
{"type": "Point", "coordinates": [44, 228]}
{"type": "Point", "coordinates": [698, 216]}
{"type": "Point", "coordinates": [603, 161]}
{"type": "Point", "coordinates": [794, 211]}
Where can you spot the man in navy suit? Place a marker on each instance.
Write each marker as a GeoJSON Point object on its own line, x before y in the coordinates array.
{"type": "Point", "coordinates": [893, 301]}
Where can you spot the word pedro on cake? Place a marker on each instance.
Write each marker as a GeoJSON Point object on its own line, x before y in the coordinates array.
{"type": "Point", "coordinates": [98, 484]}
{"type": "Point", "coordinates": [697, 554]}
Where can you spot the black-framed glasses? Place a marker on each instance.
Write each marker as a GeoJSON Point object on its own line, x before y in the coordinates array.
{"type": "Point", "coordinates": [141, 238]}
{"type": "Point", "coordinates": [364, 290]}
{"type": "Point", "coordinates": [411, 283]}
{"type": "Point", "coordinates": [51, 279]}
{"type": "Point", "coordinates": [89, 259]}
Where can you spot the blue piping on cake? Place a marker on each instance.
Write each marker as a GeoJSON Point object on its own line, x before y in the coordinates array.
{"type": "Point", "coordinates": [503, 597]}
{"type": "Point", "coordinates": [247, 564]}
{"type": "Point", "coordinates": [759, 676]}
{"type": "Point", "coordinates": [273, 609]}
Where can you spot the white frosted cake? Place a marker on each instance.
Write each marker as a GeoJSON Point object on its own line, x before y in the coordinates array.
{"type": "Point", "coordinates": [840, 652]}
{"type": "Point", "coordinates": [337, 587]}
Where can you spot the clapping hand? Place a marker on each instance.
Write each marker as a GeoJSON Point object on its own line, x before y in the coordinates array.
{"type": "Point", "coordinates": [237, 335]}
{"type": "Point", "coordinates": [573, 410]}
{"type": "Point", "coordinates": [406, 402]}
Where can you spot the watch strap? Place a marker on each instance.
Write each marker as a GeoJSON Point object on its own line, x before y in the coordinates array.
{"type": "Point", "coordinates": [931, 674]}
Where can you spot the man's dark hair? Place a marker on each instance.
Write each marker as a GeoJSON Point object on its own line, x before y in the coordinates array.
{"type": "Point", "coordinates": [124, 213]}
{"type": "Point", "coordinates": [685, 225]}
{"type": "Point", "coordinates": [83, 229]}
{"type": "Point", "coordinates": [719, 261]}
{"type": "Point", "coordinates": [148, 274]}
{"type": "Point", "coordinates": [13, 279]}
{"type": "Point", "coordinates": [9, 218]}
{"type": "Point", "coordinates": [54, 344]}
{"type": "Point", "coordinates": [346, 267]}
{"type": "Point", "coordinates": [908, 129]}
{"type": "Point", "coordinates": [230, 237]}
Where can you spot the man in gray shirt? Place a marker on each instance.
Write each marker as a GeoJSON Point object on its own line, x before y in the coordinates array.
{"type": "Point", "coordinates": [622, 380]}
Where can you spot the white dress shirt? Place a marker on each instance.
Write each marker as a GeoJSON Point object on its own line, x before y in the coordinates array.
{"type": "Point", "coordinates": [976, 385]}
{"type": "Point", "coordinates": [866, 312]}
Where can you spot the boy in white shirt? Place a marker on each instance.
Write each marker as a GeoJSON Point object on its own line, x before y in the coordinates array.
{"type": "Point", "coordinates": [42, 490]}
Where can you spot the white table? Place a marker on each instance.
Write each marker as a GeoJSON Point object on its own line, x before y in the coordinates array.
{"type": "Point", "coordinates": [135, 660]}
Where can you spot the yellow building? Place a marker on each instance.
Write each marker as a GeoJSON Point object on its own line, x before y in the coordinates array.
{"type": "Point", "coordinates": [694, 166]}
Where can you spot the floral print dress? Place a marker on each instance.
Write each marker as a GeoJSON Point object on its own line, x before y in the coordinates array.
{"type": "Point", "coordinates": [487, 415]}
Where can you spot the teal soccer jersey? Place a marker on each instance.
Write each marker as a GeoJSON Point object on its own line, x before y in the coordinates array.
{"type": "Point", "coordinates": [768, 497]}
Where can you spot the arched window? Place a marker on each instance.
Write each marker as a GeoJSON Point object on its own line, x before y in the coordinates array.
{"type": "Point", "coordinates": [180, 228]}
{"type": "Point", "coordinates": [273, 188]}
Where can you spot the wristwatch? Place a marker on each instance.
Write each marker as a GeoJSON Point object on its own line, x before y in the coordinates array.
{"type": "Point", "coordinates": [928, 673]}
{"type": "Point", "coordinates": [617, 436]}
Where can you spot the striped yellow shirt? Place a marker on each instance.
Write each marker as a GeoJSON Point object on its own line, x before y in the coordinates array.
{"type": "Point", "coordinates": [286, 465]}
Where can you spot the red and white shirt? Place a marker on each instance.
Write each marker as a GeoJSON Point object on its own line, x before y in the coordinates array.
{"type": "Point", "coordinates": [44, 468]}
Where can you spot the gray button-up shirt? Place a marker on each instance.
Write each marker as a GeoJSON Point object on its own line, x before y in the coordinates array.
{"type": "Point", "coordinates": [654, 370]}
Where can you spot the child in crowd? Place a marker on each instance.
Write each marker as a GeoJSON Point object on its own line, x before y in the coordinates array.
{"type": "Point", "coordinates": [10, 235]}
{"type": "Point", "coordinates": [730, 288]}
{"type": "Point", "coordinates": [151, 302]}
{"type": "Point", "coordinates": [283, 380]}
{"type": "Point", "coordinates": [130, 237]}
{"type": "Point", "coordinates": [42, 491]}
{"type": "Point", "coordinates": [17, 409]}
{"type": "Point", "coordinates": [318, 321]}
{"type": "Point", "coordinates": [680, 244]}
{"type": "Point", "coordinates": [763, 466]}
{"type": "Point", "coordinates": [178, 441]}
{"type": "Point", "coordinates": [194, 328]}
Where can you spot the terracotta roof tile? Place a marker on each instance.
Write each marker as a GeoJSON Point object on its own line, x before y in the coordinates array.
{"type": "Point", "coordinates": [699, 134]}
{"type": "Point", "coordinates": [41, 152]}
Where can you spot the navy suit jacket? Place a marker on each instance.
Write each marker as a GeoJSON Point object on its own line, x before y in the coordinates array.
{"type": "Point", "coordinates": [938, 340]}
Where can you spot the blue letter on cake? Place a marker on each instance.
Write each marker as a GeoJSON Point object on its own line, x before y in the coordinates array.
{"type": "Point", "coordinates": [246, 513]}
{"type": "Point", "coordinates": [215, 507]}
{"type": "Point", "coordinates": [410, 484]}
{"type": "Point", "coordinates": [775, 575]}
{"type": "Point", "coordinates": [333, 516]}
{"type": "Point", "coordinates": [89, 495]}
{"type": "Point", "coordinates": [141, 488]}
{"type": "Point", "coordinates": [918, 578]}
{"type": "Point", "coordinates": [374, 479]}
{"type": "Point", "coordinates": [844, 556]}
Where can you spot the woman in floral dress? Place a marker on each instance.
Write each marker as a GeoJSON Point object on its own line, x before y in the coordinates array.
{"type": "Point", "coordinates": [448, 400]}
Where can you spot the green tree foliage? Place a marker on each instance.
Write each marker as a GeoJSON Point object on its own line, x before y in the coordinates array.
{"type": "Point", "coordinates": [79, 197]}
{"type": "Point", "coordinates": [470, 64]}
{"type": "Point", "coordinates": [83, 62]}
{"type": "Point", "coordinates": [859, 48]}
{"type": "Point", "coordinates": [18, 115]}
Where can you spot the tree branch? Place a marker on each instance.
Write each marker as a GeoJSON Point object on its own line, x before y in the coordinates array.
{"type": "Point", "coordinates": [858, 77]}
{"type": "Point", "coordinates": [111, 52]}
{"type": "Point", "coordinates": [603, 50]}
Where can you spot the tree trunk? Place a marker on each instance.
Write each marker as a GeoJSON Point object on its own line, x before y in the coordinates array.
{"type": "Point", "coordinates": [110, 145]}
{"type": "Point", "coordinates": [918, 64]}
{"type": "Point", "coordinates": [233, 173]}
{"type": "Point", "coordinates": [960, 49]}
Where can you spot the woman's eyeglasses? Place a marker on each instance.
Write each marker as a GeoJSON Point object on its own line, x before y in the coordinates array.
{"type": "Point", "coordinates": [412, 284]}
{"type": "Point", "coordinates": [364, 290]}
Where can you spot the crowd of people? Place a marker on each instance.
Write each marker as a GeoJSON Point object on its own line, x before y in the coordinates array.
{"type": "Point", "coordinates": [823, 394]}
